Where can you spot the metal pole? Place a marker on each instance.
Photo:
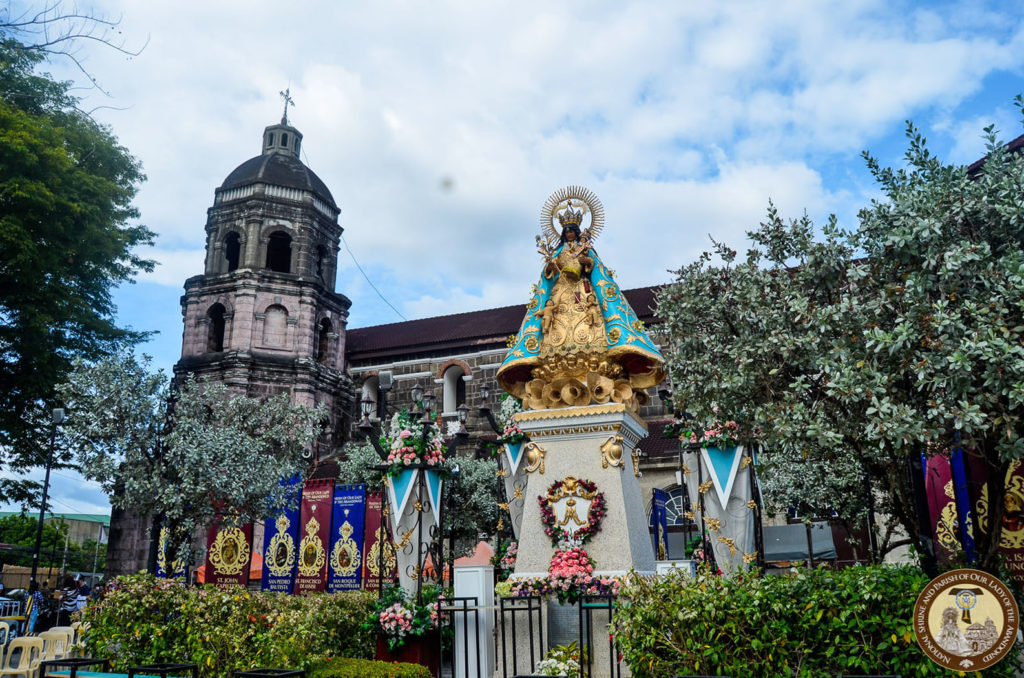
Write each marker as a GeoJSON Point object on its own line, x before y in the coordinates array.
{"type": "Point", "coordinates": [56, 418]}
{"type": "Point", "coordinates": [96, 553]}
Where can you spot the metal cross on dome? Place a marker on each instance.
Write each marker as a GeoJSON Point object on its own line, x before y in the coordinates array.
{"type": "Point", "coordinates": [288, 101]}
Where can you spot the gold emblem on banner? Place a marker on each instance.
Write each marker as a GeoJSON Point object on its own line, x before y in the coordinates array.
{"type": "Point", "coordinates": [374, 556]}
{"type": "Point", "coordinates": [176, 566]}
{"type": "Point", "coordinates": [345, 555]}
{"type": "Point", "coordinates": [280, 554]}
{"type": "Point", "coordinates": [313, 554]}
{"type": "Point", "coordinates": [229, 554]}
{"type": "Point", "coordinates": [1012, 536]}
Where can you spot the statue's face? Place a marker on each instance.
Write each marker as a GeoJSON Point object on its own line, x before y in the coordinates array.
{"type": "Point", "coordinates": [570, 235]}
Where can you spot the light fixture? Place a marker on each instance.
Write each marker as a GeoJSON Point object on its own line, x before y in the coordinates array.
{"type": "Point", "coordinates": [367, 406]}
{"type": "Point", "coordinates": [463, 417]}
{"type": "Point", "coordinates": [485, 394]}
{"type": "Point", "coordinates": [428, 401]}
{"type": "Point", "coordinates": [417, 393]}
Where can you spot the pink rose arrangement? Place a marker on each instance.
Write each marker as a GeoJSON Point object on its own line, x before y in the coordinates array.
{"type": "Point", "coordinates": [409, 444]}
{"type": "Point", "coordinates": [570, 569]}
{"type": "Point", "coordinates": [396, 620]}
{"type": "Point", "coordinates": [397, 616]}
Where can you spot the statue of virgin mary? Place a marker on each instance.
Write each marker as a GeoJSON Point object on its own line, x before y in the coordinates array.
{"type": "Point", "coordinates": [580, 341]}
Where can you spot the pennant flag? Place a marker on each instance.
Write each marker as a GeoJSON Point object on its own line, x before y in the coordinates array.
{"type": "Point", "coordinates": [514, 452]}
{"type": "Point", "coordinates": [399, 490]}
{"type": "Point", "coordinates": [722, 466]}
{"type": "Point", "coordinates": [434, 484]}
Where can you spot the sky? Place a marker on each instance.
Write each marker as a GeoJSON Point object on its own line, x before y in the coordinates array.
{"type": "Point", "coordinates": [442, 127]}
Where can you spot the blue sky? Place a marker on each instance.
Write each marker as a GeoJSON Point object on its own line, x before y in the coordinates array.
{"type": "Point", "coordinates": [442, 127]}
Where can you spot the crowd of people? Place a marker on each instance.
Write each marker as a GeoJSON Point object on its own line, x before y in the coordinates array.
{"type": "Point", "coordinates": [54, 606]}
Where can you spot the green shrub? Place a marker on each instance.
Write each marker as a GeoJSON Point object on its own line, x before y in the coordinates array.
{"type": "Point", "coordinates": [363, 668]}
{"type": "Point", "coordinates": [811, 623]}
{"type": "Point", "coordinates": [148, 620]}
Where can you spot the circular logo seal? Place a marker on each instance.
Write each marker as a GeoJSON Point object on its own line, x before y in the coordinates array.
{"type": "Point", "coordinates": [966, 620]}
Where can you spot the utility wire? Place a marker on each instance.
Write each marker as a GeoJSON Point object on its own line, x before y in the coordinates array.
{"type": "Point", "coordinates": [370, 282]}
{"type": "Point", "coordinates": [349, 250]}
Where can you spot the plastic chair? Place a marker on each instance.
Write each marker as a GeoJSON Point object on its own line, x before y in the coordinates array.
{"type": "Point", "coordinates": [69, 644]}
{"type": "Point", "coordinates": [55, 644]}
{"type": "Point", "coordinates": [5, 637]}
{"type": "Point", "coordinates": [21, 619]}
{"type": "Point", "coordinates": [29, 652]}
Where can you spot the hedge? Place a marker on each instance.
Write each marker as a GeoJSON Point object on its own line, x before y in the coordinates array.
{"type": "Point", "coordinates": [147, 620]}
{"type": "Point", "coordinates": [811, 623]}
{"type": "Point", "coordinates": [362, 668]}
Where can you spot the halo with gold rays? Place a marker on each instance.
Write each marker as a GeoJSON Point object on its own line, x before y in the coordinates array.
{"type": "Point", "coordinates": [559, 200]}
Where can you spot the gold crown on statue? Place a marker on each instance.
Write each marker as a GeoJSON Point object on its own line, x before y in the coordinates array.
{"type": "Point", "coordinates": [570, 216]}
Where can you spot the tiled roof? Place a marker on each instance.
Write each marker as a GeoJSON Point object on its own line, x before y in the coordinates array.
{"type": "Point", "coordinates": [657, 445]}
{"type": "Point", "coordinates": [479, 329]}
{"type": "Point", "coordinates": [1015, 146]}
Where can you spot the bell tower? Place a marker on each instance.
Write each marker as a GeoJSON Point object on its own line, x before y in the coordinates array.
{"type": "Point", "coordinates": [264, 318]}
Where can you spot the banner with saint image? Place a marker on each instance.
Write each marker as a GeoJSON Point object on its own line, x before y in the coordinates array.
{"type": "Point", "coordinates": [344, 571]}
{"type": "Point", "coordinates": [378, 549]}
{"type": "Point", "coordinates": [166, 568]}
{"type": "Point", "coordinates": [314, 534]}
{"type": "Point", "coordinates": [228, 553]}
{"type": "Point", "coordinates": [281, 548]}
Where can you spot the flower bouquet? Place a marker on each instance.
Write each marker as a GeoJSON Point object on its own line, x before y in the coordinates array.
{"type": "Point", "coordinates": [397, 618]}
{"type": "Point", "coordinates": [510, 431]}
{"type": "Point", "coordinates": [408, 443]}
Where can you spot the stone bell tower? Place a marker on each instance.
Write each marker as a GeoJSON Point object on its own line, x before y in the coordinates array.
{"type": "Point", "coordinates": [263, 318]}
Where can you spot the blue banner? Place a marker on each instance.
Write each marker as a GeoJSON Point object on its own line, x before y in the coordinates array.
{"type": "Point", "coordinates": [659, 518]}
{"type": "Point", "coordinates": [344, 572]}
{"type": "Point", "coordinates": [280, 553]}
{"type": "Point", "coordinates": [164, 568]}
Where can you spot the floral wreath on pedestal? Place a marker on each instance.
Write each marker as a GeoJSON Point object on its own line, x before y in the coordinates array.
{"type": "Point", "coordinates": [595, 514]}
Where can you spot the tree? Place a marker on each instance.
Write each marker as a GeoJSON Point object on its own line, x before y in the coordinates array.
{"type": "Point", "coordinates": [190, 455]}
{"type": "Point", "coordinates": [68, 235]}
{"type": "Point", "coordinates": [846, 355]}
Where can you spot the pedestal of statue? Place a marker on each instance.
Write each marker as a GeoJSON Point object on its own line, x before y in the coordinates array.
{"type": "Point", "coordinates": [594, 443]}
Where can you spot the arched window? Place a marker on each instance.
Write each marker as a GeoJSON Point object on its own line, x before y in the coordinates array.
{"type": "Point", "coordinates": [279, 252]}
{"type": "Point", "coordinates": [275, 324]}
{"type": "Point", "coordinates": [215, 330]}
{"type": "Point", "coordinates": [321, 260]}
{"type": "Point", "coordinates": [323, 341]}
{"type": "Point", "coordinates": [232, 250]}
{"type": "Point", "coordinates": [371, 389]}
{"type": "Point", "coordinates": [681, 529]}
{"type": "Point", "coordinates": [454, 388]}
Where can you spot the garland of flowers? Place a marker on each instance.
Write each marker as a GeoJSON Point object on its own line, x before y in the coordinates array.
{"type": "Point", "coordinates": [595, 514]}
{"type": "Point", "coordinates": [407, 444]}
{"type": "Point", "coordinates": [584, 585]}
{"type": "Point", "coordinates": [719, 434]}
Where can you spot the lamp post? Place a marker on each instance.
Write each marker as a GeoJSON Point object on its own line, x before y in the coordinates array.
{"type": "Point", "coordinates": [426, 400]}
{"type": "Point", "coordinates": [56, 419]}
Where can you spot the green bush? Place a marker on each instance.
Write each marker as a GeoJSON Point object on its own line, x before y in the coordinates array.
{"type": "Point", "coordinates": [362, 668]}
{"type": "Point", "coordinates": [148, 620]}
{"type": "Point", "coordinates": [811, 623]}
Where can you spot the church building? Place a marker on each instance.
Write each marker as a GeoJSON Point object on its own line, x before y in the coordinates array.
{"type": "Point", "coordinates": [264, 318]}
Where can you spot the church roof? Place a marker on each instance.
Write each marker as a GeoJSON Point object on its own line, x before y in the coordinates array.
{"type": "Point", "coordinates": [278, 169]}
{"type": "Point", "coordinates": [476, 330]}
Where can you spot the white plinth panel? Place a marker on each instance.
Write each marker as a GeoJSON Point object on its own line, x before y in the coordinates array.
{"type": "Point", "coordinates": [476, 582]}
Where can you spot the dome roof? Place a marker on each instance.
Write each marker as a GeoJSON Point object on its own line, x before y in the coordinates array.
{"type": "Point", "coordinates": [279, 165]}
{"type": "Point", "coordinates": [280, 170]}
